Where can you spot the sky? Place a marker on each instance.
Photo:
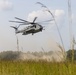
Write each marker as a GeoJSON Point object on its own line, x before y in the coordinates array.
{"type": "Point", "coordinates": [28, 9]}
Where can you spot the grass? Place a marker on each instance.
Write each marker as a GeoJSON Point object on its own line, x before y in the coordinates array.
{"type": "Point", "coordinates": [36, 68]}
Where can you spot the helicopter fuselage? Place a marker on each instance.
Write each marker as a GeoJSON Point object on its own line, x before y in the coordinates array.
{"type": "Point", "coordinates": [30, 29]}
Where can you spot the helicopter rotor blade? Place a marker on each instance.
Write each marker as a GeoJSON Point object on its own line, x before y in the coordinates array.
{"type": "Point", "coordinates": [21, 19]}
{"type": "Point", "coordinates": [14, 27]}
{"type": "Point", "coordinates": [25, 23]}
{"type": "Point", "coordinates": [45, 21]}
{"type": "Point", "coordinates": [34, 19]}
{"type": "Point", "coordinates": [16, 21]}
{"type": "Point", "coordinates": [22, 23]}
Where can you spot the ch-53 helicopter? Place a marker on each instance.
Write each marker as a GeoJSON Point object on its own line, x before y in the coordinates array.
{"type": "Point", "coordinates": [32, 29]}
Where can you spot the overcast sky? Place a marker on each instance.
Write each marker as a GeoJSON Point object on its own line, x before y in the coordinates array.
{"type": "Point", "coordinates": [28, 9]}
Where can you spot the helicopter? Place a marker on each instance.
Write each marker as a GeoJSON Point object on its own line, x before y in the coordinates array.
{"type": "Point", "coordinates": [32, 29]}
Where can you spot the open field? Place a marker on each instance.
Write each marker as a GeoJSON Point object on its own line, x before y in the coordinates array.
{"type": "Point", "coordinates": [36, 68]}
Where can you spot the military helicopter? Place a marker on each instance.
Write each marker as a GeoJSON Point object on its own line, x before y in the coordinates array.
{"type": "Point", "coordinates": [32, 29]}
